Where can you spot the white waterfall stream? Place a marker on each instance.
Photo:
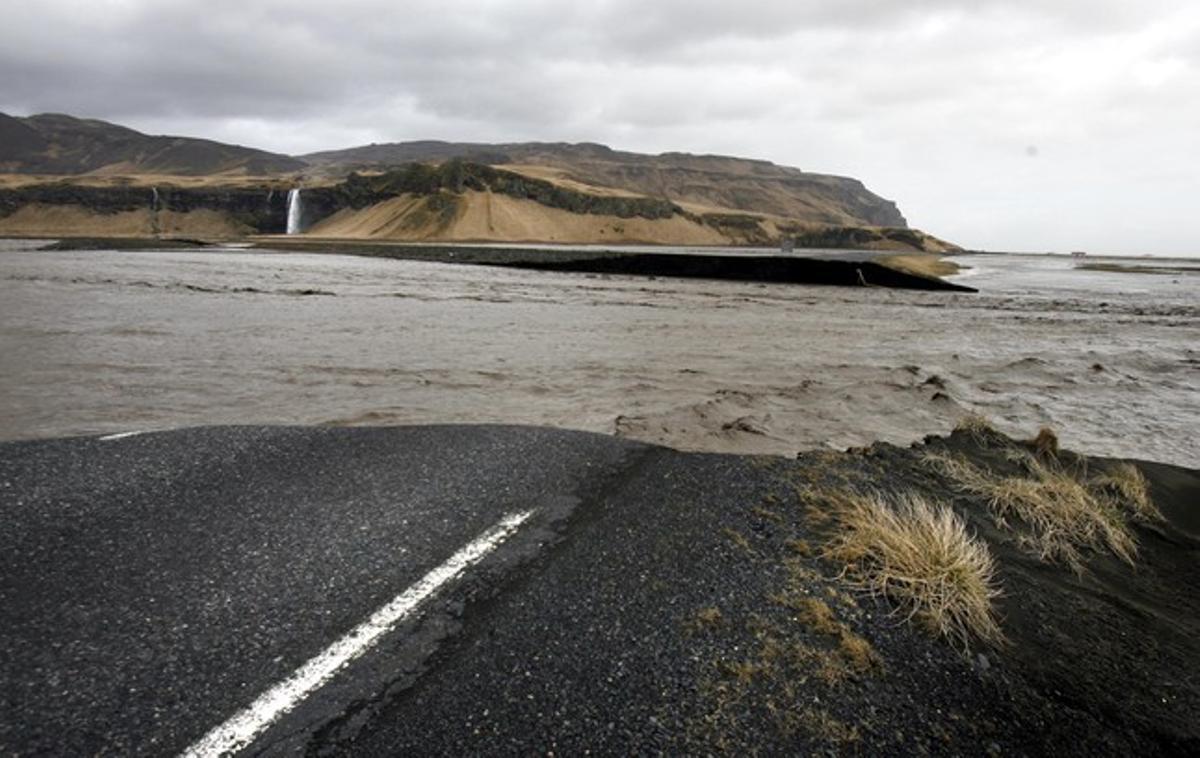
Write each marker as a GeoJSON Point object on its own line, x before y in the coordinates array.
{"type": "Point", "coordinates": [294, 211]}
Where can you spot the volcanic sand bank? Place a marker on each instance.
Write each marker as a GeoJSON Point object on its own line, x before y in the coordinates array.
{"type": "Point", "coordinates": [717, 621]}
{"type": "Point", "coordinates": [485, 216]}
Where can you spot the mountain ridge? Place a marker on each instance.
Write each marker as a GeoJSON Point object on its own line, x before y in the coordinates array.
{"type": "Point", "coordinates": [59, 144]}
{"type": "Point", "coordinates": [60, 174]}
{"type": "Point", "coordinates": [715, 181]}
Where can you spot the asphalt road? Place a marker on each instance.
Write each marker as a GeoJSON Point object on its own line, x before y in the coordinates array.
{"type": "Point", "coordinates": [154, 585]}
{"type": "Point", "coordinates": [160, 591]}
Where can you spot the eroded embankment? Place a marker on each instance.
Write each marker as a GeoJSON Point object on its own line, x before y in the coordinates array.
{"type": "Point", "coordinates": [710, 603]}
{"type": "Point", "coordinates": [793, 269]}
{"type": "Point", "coordinates": [863, 269]}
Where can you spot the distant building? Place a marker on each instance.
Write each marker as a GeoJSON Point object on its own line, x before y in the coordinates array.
{"type": "Point", "coordinates": [1078, 254]}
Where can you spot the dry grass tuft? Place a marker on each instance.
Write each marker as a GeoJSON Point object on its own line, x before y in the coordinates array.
{"type": "Point", "coordinates": [742, 672]}
{"type": "Point", "coordinates": [738, 539]}
{"type": "Point", "coordinates": [800, 547]}
{"type": "Point", "coordinates": [979, 427]}
{"type": "Point", "coordinates": [1126, 485]}
{"type": "Point", "coordinates": [767, 514]}
{"type": "Point", "coordinates": [1045, 444]}
{"type": "Point", "coordinates": [797, 661]}
{"type": "Point", "coordinates": [816, 615]}
{"type": "Point", "coordinates": [858, 652]}
{"type": "Point", "coordinates": [820, 724]}
{"type": "Point", "coordinates": [1061, 513]}
{"type": "Point", "coordinates": [707, 618]}
{"type": "Point", "coordinates": [800, 571]}
{"type": "Point", "coordinates": [922, 558]}
{"type": "Point", "coordinates": [854, 654]}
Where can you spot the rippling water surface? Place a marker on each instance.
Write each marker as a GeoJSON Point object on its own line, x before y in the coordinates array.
{"type": "Point", "coordinates": [99, 342]}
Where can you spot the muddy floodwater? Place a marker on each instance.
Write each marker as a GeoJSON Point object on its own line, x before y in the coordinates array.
{"type": "Point", "coordinates": [108, 341]}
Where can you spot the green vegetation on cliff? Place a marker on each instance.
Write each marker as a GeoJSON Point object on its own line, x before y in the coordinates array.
{"type": "Point", "coordinates": [457, 176]}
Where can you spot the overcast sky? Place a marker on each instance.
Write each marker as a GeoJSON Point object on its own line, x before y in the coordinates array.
{"type": "Point", "coordinates": [1048, 125]}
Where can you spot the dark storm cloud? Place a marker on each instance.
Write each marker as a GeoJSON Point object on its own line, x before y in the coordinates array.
{"type": "Point", "coordinates": [474, 60]}
{"type": "Point", "coordinates": [933, 102]}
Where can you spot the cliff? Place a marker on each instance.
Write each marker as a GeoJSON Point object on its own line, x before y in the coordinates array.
{"type": "Point", "coordinates": [65, 209]}
{"type": "Point", "coordinates": [452, 201]}
{"type": "Point", "coordinates": [463, 201]}
{"type": "Point", "coordinates": [715, 182]}
{"type": "Point", "coordinates": [63, 176]}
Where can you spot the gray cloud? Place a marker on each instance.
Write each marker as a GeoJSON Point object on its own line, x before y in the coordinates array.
{"type": "Point", "coordinates": [933, 103]}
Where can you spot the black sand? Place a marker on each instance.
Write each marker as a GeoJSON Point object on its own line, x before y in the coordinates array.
{"type": "Point", "coordinates": [850, 268]}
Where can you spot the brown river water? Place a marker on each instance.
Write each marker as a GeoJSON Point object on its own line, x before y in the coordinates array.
{"type": "Point", "coordinates": [98, 342]}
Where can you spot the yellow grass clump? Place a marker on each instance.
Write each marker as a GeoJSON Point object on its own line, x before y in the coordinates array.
{"type": "Point", "coordinates": [979, 427]}
{"type": "Point", "coordinates": [817, 615]}
{"type": "Point", "coordinates": [1125, 483]}
{"type": "Point", "coordinates": [1062, 514]}
{"type": "Point", "coordinates": [857, 652]}
{"type": "Point", "coordinates": [920, 556]}
{"type": "Point", "coordinates": [1046, 443]}
{"type": "Point", "coordinates": [922, 264]}
{"type": "Point", "coordinates": [820, 724]}
{"type": "Point", "coordinates": [707, 618]}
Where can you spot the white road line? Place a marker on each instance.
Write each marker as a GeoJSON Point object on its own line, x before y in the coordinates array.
{"type": "Point", "coordinates": [241, 729]}
{"type": "Point", "coordinates": [119, 436]}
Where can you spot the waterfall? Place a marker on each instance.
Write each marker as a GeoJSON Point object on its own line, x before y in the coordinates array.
{"type": "Point", "coordinates": [155, 227]}
{"type": "Point", "coordinates": [294, 212]}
